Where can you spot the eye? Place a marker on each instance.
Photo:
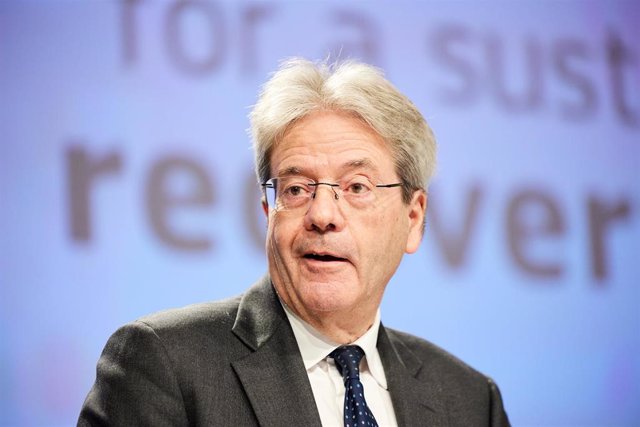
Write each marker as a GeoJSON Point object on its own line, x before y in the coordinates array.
{"type": "Point", "coordinates": [295, 190]}
{"type": "Point", "coordinates": [358, 186]}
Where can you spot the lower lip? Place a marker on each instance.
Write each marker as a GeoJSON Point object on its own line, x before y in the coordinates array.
{"type": "Point", "coordinates": [316, 264]}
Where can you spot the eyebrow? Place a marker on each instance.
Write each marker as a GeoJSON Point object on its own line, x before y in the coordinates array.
{"type": "Point", "coordinates": [359, 164]}
{"type": "Point", "coordinates": [291, 170]}
{"type": "Point", "coordinates": [363, 163]}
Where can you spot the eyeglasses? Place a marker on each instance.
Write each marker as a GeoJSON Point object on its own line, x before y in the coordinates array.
{"type": "Point", "coordinates": [297, 192]}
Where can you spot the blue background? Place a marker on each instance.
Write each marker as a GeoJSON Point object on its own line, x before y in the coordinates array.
{"type": "Point", "coordinates": [536, 108]}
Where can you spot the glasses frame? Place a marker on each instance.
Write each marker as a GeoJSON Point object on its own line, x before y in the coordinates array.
{"type": "Point", "coordinates": [269, 184]}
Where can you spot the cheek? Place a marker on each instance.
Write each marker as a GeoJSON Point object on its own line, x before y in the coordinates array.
{"type": "Point", "coordinates": [280, 236]}
{"type": "Point", "coordinates": [371, 236]}
{"type": "Point", "coordinates": [385, 238]}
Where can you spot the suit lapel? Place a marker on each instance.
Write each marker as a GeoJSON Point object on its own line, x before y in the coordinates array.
{"type": "Point", "coordinates": [273, 375]}
{"type": "Point", "coordinates": [414, 402]}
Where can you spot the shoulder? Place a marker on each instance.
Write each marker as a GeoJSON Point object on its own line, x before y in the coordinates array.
{"type": "Point", "coordinates": [197, 326]}
{"type": "Point", "coordinates": [172, 346]}
{"type": "Point", "coordinates": [438, 362]}
{"type": "Point", "coordinates": [180, 334]}
{"type": "Point", "coordinates": [151, 368]}
{"type": "Point", "coordinates": [471, 397]}
{"type": "Point", "coordinates": [194, 316]}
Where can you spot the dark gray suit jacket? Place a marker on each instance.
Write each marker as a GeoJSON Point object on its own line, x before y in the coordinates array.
{"type": "Point", "coordinates": [236, 362]}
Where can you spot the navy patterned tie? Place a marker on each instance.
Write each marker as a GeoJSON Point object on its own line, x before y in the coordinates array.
{"type": "Point", "coordinates": [356, 411]}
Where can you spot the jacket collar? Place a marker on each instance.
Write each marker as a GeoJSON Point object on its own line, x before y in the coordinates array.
{"type": "Point", "coordinates": [415, 402]}
{"type": "Point", "coordinates": [259, 314]}
{"type": "Point", "coordinates": [273, 375]}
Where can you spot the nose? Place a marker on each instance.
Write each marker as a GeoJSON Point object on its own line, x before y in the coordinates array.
{"type": "Point", "coordinates": [331, 186]}
{"type": "Point", "coordinates": [324, 213]}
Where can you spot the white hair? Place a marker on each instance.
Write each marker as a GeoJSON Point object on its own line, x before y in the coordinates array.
{"type": "Point", "coordinates": [301, 87]}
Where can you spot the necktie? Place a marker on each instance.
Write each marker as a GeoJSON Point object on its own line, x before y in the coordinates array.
{"type": "Point", "coordinates": [356, 411]}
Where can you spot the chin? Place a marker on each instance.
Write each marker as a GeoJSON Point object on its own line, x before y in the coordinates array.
{"type": "Point", "coordinates": [327, 297]}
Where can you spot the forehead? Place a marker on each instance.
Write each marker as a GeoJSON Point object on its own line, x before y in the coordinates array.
{"type": "Point", "coordinates": [330, 142]}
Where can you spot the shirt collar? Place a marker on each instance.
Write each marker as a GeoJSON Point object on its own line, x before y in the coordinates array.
{"type": "Point", "coordinates": [315, 347]}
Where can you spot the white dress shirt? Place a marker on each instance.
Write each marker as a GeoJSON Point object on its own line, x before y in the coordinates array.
{"type": "Point", "coordinates": [326, 381]}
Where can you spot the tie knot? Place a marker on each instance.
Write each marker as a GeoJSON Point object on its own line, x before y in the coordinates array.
{"type": "Point", "coordinates": [347, 360]}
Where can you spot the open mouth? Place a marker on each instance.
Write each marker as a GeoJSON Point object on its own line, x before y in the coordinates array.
{"type": "Point", "coordinates": [323, 257]}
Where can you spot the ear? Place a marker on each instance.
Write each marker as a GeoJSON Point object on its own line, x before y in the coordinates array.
{"type": "Point", "coordinates": [417, 211]}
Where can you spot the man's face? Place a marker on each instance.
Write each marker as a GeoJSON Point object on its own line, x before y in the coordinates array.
{"type": "Point", "coordinates": [332, 257]}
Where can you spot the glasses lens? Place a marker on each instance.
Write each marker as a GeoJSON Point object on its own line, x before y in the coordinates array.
{"type": "Point", "coordinates": [288, 193]}
{"type": "Point", "coordinates": [270, 193]}
{"type": "Point", "coordinates": [293, 192]}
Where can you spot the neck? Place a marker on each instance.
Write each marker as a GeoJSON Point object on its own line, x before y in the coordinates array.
{"type": "Point", "coordinates": [342, 328]}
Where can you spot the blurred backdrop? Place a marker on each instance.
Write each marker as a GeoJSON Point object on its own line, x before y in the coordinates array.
{"type": "Point", "coordinates": [126, 183]}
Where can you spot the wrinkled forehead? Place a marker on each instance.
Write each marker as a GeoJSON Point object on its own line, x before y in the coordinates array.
{"type": "Point", "coordinates": [333, 143]}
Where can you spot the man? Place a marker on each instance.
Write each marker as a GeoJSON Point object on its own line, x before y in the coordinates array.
{"type": "Point", "coordinates": [344, 160]}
